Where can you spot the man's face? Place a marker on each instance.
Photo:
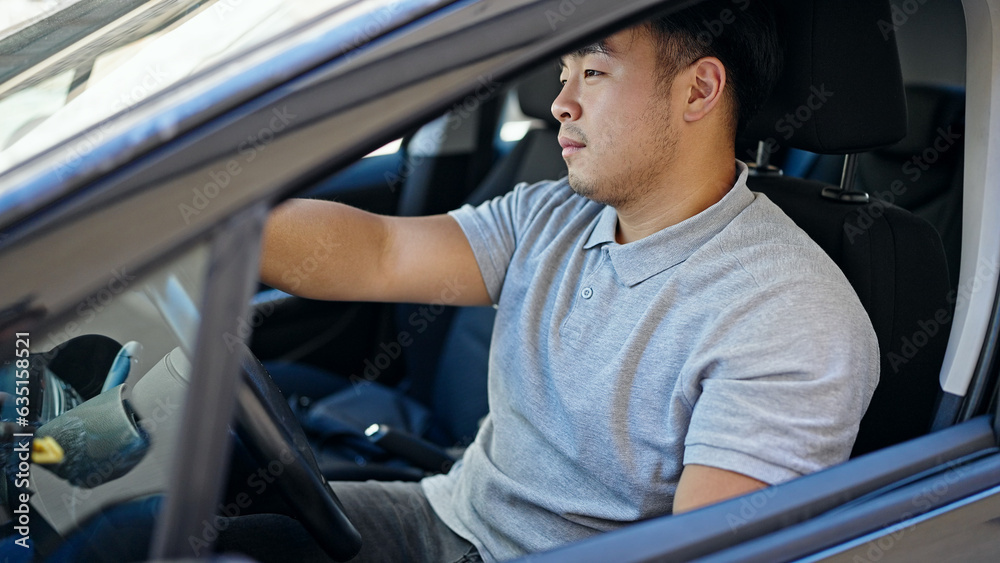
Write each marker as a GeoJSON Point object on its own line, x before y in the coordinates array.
{"type": "Point", "coordinates": [615, 113]}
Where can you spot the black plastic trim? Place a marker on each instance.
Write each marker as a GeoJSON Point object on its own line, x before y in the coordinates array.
{"type": "Point", "coordinates": [948, 409]}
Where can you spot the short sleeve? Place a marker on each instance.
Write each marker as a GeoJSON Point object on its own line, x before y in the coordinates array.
{"type": "Point", "coordinates": [781, 382]}
{"type": "Point", "coordinates": [494, 227]}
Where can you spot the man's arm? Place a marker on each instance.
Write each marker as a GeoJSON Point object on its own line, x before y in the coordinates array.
{"type": "Point", "coordinates": [701, 485]}
{"type": "Point", "coordinates": [325, 250]}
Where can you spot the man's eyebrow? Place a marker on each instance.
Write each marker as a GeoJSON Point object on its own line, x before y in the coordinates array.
{"type": "Point", "coordinates": [599, 48]}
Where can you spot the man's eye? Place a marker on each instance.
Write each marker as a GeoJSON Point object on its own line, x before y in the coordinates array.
{"type": "Point", "coordinates": [589, 73]}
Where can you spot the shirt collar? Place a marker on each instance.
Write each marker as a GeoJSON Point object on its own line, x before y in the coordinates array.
{"type": "Point", "coordinates": [640, 260]}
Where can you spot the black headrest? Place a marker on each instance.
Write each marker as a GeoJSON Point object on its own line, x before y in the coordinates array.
{"type": "Point", "coordinates": [841, 89]}
{"type": "Point", "coordinates": [537, 90]}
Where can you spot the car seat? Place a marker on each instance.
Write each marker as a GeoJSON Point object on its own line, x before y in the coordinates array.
{"type": "Point", "coordinates": [894, 260]}
{"type": "Point", "coordinates": [928, 162]}
{"type": "Point", "coordinates": [932, 53]}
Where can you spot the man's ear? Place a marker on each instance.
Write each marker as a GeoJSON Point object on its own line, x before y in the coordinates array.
{"type": "Point", "coordinates": [706, 84]}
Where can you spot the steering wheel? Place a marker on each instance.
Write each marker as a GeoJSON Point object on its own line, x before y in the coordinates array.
{"type": "Point", "coordinates": [269, 430]}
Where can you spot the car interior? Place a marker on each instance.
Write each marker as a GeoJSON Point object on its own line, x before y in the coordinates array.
{"type": "Point", "coordinates": [883, 227]}
{"type": "Point", "coordinates": [866, 159]}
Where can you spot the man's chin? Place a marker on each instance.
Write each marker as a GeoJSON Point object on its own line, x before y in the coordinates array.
{"type": "Point", "coordinates": [580, 185]}
{"type": "Point", "coordinates": [584, 187]}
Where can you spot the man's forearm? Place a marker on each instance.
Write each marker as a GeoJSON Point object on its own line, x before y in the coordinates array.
{"type": "Point", "coordinates": [323, 250]}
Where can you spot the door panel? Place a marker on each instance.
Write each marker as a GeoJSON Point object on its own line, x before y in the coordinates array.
{"type": "Point", "coordinates": [967, 530]}
{"type": "Point", "coordinates": [875, 513]}
{"type": "Point", "coordinates": [805, 515]}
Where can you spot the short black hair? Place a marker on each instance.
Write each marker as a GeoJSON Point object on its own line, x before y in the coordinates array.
{"type": "Point", "coordinates": [740, 33]}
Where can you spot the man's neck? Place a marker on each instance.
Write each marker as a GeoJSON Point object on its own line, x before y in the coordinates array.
{"type": "Point", "coordinates": [677, 197]}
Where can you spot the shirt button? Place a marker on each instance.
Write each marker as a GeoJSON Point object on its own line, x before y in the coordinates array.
{"type": "Point", "coordinates": [587, 293]}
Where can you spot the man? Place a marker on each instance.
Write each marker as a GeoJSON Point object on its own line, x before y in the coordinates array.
{"type": "Point", "coordinates": [665, 338]}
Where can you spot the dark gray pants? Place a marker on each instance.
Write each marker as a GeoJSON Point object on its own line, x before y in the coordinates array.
{"type": "Point", "coordinates": [395, 521]}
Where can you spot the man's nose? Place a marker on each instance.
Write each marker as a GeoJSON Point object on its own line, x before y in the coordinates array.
{"type": "Point", "coordinates": [565, 107]}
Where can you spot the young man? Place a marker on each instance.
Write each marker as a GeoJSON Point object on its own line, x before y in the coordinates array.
{"type": "Point", "coordinates": [665, 338]}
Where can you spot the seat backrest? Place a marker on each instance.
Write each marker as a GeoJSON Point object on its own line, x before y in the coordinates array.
{"type": "Point", "coordinates": [537, 156]}
{"type": "Point", "coordinates": [445, 158]}
{"type": "Point", "coordinates": [925, 167]}
{"type": "Point", "coordinates": [928, 162]}
{"type": "Point", "coordinates": [893, 259]}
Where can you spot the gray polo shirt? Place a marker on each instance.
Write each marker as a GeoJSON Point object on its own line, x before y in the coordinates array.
{"type": "Point", "coordinates": [729, 340]}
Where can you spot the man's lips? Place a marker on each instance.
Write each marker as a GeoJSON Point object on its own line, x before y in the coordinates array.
{"type": "Point", "coordinates": [570, 146]}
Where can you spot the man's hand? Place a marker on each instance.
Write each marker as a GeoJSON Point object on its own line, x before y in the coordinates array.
{"type": "Point", "coordinates": [326, 250]}
{"type": "Point", "coordinates": [701, 485]}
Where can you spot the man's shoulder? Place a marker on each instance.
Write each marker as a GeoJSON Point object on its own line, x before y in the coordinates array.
{"type": "Point", "coordinates": [762, 254]}
{"type": "Point", "coordinates": [770, 248]}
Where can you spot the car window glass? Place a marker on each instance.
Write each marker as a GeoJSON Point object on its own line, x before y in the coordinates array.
{"type": "Point", "coordinates": [121, 64]}
{"type": "Point", "coordinates": [110, 392]}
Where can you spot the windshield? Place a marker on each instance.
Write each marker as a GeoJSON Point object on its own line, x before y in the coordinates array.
{"type": "Point", "coordinates": [70, 64]}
